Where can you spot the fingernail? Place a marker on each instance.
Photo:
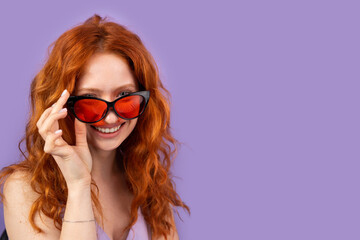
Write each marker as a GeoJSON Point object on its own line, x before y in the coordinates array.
{"type": "Point", "coordinates": [53, 105]}
{"type": "Point", "coordinates": [63, 110]}
{"type": "Point", "coordinates": [58, 131]}
{"type": "Point", "coordinates": [63, 93]}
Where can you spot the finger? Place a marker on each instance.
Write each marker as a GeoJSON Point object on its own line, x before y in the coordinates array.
{"type": "Point", "coordinates": [59, 141]}
{"type": "Point", "coordinates": [55, 145]}
{"type": "Point", "coordinates": [50, 141]}
{"type": "Point", "coordinates": [61, 101]}
{"type": "Point", "coordinates": [43, 116]}
{"type": "Point", "coordinates": [49, 121]}
{"type": "Point", "coordinates": [80, 133]}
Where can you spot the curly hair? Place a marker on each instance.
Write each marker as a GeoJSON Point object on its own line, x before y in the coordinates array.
{"type": "Point", "coordinates": [148, 152]}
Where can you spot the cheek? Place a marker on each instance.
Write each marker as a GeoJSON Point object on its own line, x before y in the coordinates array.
{"type": "Point", "coordinates": [132, 124]}
{"type": "Point", "coordinates": [89, 130]}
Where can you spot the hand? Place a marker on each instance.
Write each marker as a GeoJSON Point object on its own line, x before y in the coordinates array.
{"type": "Point", "coordinates": [75, 162]}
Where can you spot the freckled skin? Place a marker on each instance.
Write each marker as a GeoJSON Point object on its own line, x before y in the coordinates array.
{"type": "Point", "coordinates": [106, 72]}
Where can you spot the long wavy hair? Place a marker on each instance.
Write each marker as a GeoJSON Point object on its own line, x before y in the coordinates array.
{"type": "Point", "coordinates": [148, 152]}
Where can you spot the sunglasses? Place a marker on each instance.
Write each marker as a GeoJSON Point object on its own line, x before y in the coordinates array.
{"type": "Point", "coordinates": [93, 109]}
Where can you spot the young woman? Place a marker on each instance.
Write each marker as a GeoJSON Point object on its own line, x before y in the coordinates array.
{"type": "Point", "coordinates": [98, 143]}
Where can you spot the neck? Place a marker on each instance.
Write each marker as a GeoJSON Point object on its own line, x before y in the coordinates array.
{"type": "Point", "coordinates": [106, 166]}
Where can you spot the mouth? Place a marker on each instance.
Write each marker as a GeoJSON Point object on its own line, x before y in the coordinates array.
{"type": "Point", "coordinates": [108, 131]}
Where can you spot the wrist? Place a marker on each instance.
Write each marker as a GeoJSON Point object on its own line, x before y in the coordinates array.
{"type": "Point", "coordinates": [81, 185]}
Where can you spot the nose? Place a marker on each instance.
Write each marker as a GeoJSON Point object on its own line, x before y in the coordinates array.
{"type": "Point", "coordinates": [111, 117]}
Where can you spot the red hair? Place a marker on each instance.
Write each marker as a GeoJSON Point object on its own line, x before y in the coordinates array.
{"type": "Point", "coordinates": [148, 151]}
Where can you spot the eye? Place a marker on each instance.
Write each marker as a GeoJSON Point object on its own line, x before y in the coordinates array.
{"type": "Point", "coordinates": [121, 94]}
{"type": "Point", "coordinates": [88, 95]}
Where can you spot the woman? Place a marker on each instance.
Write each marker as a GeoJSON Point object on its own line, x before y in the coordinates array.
{"type": "Point", "coordinates": [99, 151]}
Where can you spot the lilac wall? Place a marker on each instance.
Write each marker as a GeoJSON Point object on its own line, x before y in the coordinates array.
{"type": "Point", "coordinates": [265, 98]}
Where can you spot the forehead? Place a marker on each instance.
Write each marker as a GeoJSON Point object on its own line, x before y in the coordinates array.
{"type": "Point", "coordinates": [106, 72]}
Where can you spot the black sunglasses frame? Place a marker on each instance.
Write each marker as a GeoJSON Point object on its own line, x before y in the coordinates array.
{"type": "Point", "coordinates": [73, 99]}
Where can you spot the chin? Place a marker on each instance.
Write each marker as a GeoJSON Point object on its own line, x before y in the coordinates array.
{"type": "Point", "coordinates": [106, 148]}
{"type": "Point", "coordinates": [106, 145]}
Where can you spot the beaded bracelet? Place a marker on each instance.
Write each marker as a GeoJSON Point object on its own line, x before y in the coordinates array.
{"type": "Point", "coordinates": [92, 220]}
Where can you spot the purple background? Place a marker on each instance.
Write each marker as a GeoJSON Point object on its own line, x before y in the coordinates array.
{"type": "Point", "coordinates": [265, 98]}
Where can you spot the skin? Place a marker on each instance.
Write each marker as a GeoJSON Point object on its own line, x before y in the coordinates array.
{"type": "Point", "coordinates": [92, 156]}
{"type": "Point", "coordinates": [106, 72]}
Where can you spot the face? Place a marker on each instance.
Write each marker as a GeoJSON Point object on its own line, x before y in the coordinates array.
{"type": "Point", "coordinates": [109, 77]}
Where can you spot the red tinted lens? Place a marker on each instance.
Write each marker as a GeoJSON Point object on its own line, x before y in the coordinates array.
{"type": "Point", "coordinates": [131, 106]}
{"type": "Point", "coordinates": [90, 110]}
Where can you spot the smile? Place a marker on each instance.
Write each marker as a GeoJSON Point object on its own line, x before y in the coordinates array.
{"type": "Point", "coordinates": [108, 130]}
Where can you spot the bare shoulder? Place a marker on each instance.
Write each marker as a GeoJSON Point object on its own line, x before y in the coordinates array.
{"type": "Point", "coordinates": [19, 197]}
{"type": "Point", "coordinates": [17, 188]}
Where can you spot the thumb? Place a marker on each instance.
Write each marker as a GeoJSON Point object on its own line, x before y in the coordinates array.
{"type": "Point", "coordinates": [80, 133]}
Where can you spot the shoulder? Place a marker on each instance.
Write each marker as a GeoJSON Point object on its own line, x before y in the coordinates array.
{"type": "Point", "coordinates": [17, 188]}
{"type": "Point", "coordinates": [18, 201]}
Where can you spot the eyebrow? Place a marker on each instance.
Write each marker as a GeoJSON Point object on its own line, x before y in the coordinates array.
{"type": "Point", "coordinates": [125, 87]}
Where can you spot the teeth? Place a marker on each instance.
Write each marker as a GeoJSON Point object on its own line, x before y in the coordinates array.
{"type": "Point", "coordinates": [108, 130]}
